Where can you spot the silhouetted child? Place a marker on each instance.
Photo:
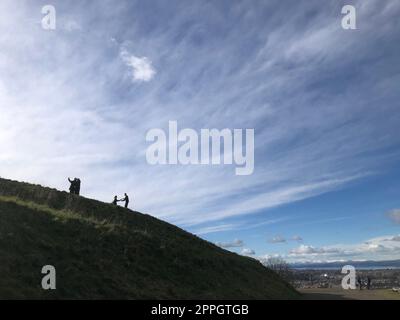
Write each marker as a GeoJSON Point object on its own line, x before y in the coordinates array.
{"type": "Point", "coordinates": [115, 201]}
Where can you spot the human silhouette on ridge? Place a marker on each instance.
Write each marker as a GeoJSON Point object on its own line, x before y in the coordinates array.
{"type": "Point", "coordinates": [126, 199]}
{"type": "Point", "coordinates": [75, 186]}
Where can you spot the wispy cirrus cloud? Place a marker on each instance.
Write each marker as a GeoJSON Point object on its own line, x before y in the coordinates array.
{"type": "Point", "coordinates": [215, 228]}
{"type": "Point", "coordinates": [68, 108]}
{"type": "Point", "coordinates": [240, 225]}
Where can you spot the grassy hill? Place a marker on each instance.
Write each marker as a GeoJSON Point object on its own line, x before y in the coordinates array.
{"type": "Point", "coordinates": [106, 252]}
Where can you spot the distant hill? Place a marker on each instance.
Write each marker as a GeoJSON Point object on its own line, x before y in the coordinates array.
{"type": "Point", "coordinates": [357, 264]}
{"type": "Point", "coordinates": [105, 252]}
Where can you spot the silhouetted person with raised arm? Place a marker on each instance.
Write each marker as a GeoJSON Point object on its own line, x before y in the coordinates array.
{"type": "Point", "coordinates": [115, 201]}
{"type": "Point", "coordinates": [75, 187]}
{"type": "Point", "coordinates": [72, 186]}
{"type": "Point", "coordinates": [126, 199]}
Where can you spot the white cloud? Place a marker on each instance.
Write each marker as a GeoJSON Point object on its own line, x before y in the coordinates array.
{"type": "Point", "coordinates": [242, 225]}
{"type": "Point", "coordinates": [277, 239]}
{"type": "Point", "coordinates": [234, 244]}
{"type": "Point", "coordinates": [248, 252]}
{"type": "Point", "coordinates": [270, 199]}
{"type": "Point", "coordinates": [297, 238]}
{"type": "Point", "coordinates": [142, 69]}
{"type": "Point", "coordinates": [306, 250]}
{"type": "Point", "coordinates": [395, 238]}
{"type": "Point", "coordinates": [217, 228]}
{"type": "Point", "coordinates": [380, 248]}
{"type": "Point", "coordinates": [264, 258]}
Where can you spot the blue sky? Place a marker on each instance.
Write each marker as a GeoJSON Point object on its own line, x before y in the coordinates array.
{"type": "Point", "coordinates": [323, 101]}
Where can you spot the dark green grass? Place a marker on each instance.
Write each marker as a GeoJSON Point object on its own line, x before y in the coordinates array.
{"type": "Point", "coordinates": [101, 251]}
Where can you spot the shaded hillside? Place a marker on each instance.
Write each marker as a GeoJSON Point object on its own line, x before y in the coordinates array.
{"type": "Point", "coordinates": [102, 251]}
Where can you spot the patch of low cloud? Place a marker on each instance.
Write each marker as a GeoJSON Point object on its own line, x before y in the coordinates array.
{"type": "Point", "coordinates": [141, 67]}
{"type": "Point", "coordinates": [270, 256]}
{"type": "Point", "coordinates": [297, 238]}
{"type": "Point", "coordinates": [394, 215]}
{"type": "Point", "coordinates": [277, 239]}
{"type": "Point", "coordinates": [248, 252]}
{"type": "Point", "coordinates": [395, 238]}
{"type": "Point", "coordinates": [306, 250]}
{"type": "Point", "coordinates": [381, 248]}
{"type": "Point", "coordinates": [234, 244]}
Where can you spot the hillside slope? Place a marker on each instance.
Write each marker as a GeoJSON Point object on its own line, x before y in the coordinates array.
{"type": "Point", "coordinates": [106, 252]}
